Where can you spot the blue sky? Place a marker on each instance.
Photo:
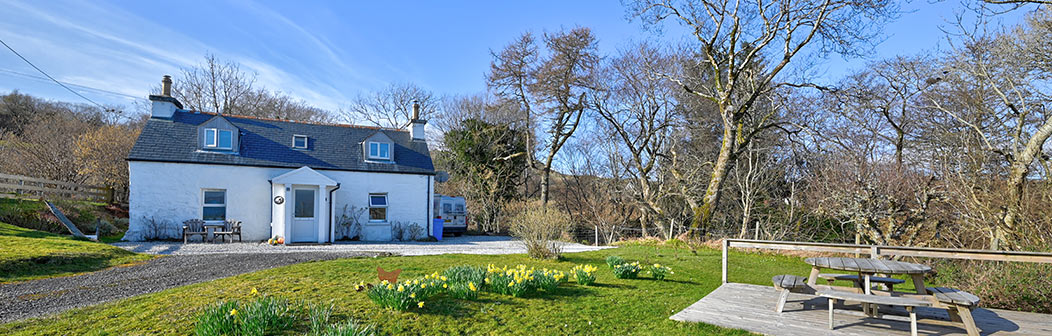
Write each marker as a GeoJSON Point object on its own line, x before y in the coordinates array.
{"type": "Point", "coordinates": [326, 52]}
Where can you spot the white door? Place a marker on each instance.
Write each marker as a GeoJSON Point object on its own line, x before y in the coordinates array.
{"type": "Point", "coordinates": [304, 217]}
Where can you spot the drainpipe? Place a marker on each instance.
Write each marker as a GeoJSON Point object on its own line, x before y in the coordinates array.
{"type": "Point", "coordinates": [332, 214]}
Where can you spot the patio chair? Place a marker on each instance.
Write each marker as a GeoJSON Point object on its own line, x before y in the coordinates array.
{"type": "Point", "coordinates": [231, 228]}
{"type": "Point", "coordinates": [194, 227]}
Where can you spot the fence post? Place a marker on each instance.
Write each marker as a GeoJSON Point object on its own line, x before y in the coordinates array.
{"type": "Point", "coordinates": [874, 252]}
{"type": "Point", "coordinates": [726, 245]}
{"type": "Point", "coordinates": [110, 196]}
{"type": "Point", "coordinates": [597, 235]}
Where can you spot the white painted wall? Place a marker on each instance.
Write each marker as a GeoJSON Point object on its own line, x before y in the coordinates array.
{"type": "Point", "coordinates": [170, 193]}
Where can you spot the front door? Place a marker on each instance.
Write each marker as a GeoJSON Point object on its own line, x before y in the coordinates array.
{"type": "Point", "coordinates": [304, 217]}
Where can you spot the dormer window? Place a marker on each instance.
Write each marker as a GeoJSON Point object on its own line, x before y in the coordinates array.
{"type": "Point", "coordinates": [299, 141]}
{"type": "Point", "coordinates": [379, 151]}
{"type": "Point", "coordinates": [219, 138]}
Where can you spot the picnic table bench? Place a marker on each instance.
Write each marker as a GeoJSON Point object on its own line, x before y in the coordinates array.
{"type": "Point", "coordinates": [906, 302]}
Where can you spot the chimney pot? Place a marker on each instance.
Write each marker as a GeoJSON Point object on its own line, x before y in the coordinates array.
{"type": "Point", "coordinates": [166, 86]}
{"type": "Point", "coordinates": [416, 109]}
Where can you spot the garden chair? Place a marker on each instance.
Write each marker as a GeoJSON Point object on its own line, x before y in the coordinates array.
{"type": "Point", "coordinates": [231, 228]}
{"type": "Point", "coordinates": [194, 227]}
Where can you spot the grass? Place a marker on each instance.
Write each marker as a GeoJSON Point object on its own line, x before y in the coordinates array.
{"type": "Point", "coordinates": [30, 254]}
{"type": "Point", "coordinates": [611, 306]}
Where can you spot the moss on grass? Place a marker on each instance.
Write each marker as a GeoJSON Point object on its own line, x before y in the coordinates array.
{"type": "Point", "coordinates": [30, 254]}
{"type": "Point", "coordinates": [610, 307]}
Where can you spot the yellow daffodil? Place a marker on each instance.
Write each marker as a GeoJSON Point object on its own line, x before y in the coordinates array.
{"type": "Point", "coordinates": [400, 288]}
{"type": "Point", "coordinates": [471, 286]}
{"type": "Point", "coordinates": [416, 282]}
{"type": "Point", "coordinates": [233, 312]}
{"type": "Point", "coordinates": [443, 278]}
{"type": "Point", "coordinates": [420, 304]}
{"type": "Point", "coordinates": [445, 286]}
{"type": "Point", "coordinates": [412, 296]}
{"type": "Point", "coordinates": [390, 287]}
{"type": "Point", "coordinates": [423, 286]}
{"type": "Point", "coordinates": [254, 291]}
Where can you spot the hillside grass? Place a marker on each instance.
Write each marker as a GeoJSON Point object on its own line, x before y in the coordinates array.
{"type": "Point", "coordinates": [612, 307]}
{"type": "Point", "coordinates": [27, 254]}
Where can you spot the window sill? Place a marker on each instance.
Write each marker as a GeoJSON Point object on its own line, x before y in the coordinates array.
{"type": "Point", "coordinates": [372, 223]}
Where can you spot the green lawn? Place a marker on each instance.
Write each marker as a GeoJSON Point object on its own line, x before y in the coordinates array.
{"type": "Point", "coordinates": [612, 307]}
{"type": "Point", "coordinates": [30, 254]}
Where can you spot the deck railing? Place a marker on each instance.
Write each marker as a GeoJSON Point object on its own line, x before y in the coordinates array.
{"type": "Point", "coordinates": [878, 251]}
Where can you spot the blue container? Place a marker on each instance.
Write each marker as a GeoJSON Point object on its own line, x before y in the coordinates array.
{"type": "Point", "coordinates": [436, 228]}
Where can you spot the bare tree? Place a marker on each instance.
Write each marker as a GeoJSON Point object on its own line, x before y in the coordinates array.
{"type": "Point", "coordinates": [993, 89]}
{"type": "Point", "coordinates": [638, 105]}
{"type": "Point", "coordinates": [221, 86]}
{"type": "Point", "coordinates": [744, 46]}
{"type": "Point", "coordinates": [391, 106]}
{"type": "Point", "coordinates": [214, 85]}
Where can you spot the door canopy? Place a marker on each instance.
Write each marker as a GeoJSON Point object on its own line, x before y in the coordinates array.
{"type": "Point", "coordinates": [304, 176]}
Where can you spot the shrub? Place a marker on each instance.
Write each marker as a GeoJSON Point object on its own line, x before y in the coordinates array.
{"type": "Point", "coordinates": [549, 280]}
{"type": "Point", "coordinates": [659, 272]}
{"type": "Point", "coordinates": [584, 274]}
{"type": "Point", "coordinates": [627, 271]}
{"type": "Point", "coordinates": [539, 227]}
{"type": "Point", "coordinates": [515, 281]}
{"type": "Point", "coordinates": [614, 261]}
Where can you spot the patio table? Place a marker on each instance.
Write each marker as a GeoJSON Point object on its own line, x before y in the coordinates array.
{"type": "Point", "coordinates": [866, 268]}
{"type": "Point", "coordinates": [211, 229]}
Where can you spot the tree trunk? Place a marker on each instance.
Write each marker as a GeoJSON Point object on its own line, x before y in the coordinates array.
{"type": "Point", "coordinates": [1003, 234]}
{"type": "Point", "coordinates": [703, 214]}
{"type": "Point", "coordinates": [545, 177]}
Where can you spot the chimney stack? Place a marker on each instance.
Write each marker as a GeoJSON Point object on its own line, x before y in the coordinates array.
{"type": "Point", "coordinates": [166, 86]}
{"type": "Point", "coordinates": [164, 105]}
{"type": "Point", "coordinates": [416, 125]}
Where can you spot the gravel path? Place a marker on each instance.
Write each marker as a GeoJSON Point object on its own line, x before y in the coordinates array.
{"type": "Point", "coordinates": [463, 244]}
{"type": "Point", "coordinates": [41, 297]}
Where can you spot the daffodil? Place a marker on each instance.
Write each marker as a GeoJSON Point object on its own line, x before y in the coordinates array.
{"type": "Point", "coordinates": [400, 288]}
{"type": "Point", "coordinates": [420, 304]}
{"type": "Point", "coordinates": [254, 291]}
{"type": "Point", "coordinates": [471, 286]}
{"type": "Point", "coordinates": [412, 296]}
{"type": "Point", "coordinates": [423, 286]}
{"type": "Point", "coordinates": [233, 312]}
{"type": "Point", "coordinates": [445, 286]}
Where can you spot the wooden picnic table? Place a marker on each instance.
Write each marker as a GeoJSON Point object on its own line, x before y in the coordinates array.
{"type": "Point", "coordinates": [866, 268]}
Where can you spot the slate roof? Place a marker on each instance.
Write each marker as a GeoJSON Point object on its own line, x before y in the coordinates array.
{"type": "Point", "coordinates": [268, 143]}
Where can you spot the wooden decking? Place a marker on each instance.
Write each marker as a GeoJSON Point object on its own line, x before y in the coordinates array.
{"type": "Point", "coordinates": [751, 307]}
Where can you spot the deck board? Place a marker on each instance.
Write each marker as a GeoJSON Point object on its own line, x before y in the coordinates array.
{"type": "Point", "coordinates": [751, 307]}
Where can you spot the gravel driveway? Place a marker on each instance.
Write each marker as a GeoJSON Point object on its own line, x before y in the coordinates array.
{"type": "Point", "coordinates": [40, 297]}
{"type": "Point", "coordinates": [186, 264]}
{"type": "Point", "coordinates": [463, 244]}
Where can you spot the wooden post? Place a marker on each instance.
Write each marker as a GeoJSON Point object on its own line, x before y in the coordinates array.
{"type": "Point", "coordinates": [110, 196]}
{"type": "Point", "coordinates": [726, 245]}
{"type": "Point", "coordinates": [874, 252]}
{"type": "Point", "coordinates": [597, 235]}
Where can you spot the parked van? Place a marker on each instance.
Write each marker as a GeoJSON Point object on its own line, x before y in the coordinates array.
{"type": "Point", "coordinates": [453, 212]}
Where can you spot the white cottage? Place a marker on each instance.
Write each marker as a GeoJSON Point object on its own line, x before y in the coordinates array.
{"type": "Point", "coordinates": [279, 178]}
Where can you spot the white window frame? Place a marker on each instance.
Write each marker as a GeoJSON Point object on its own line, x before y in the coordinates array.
{"type": "Point", "coordinates": [386, 207]}
{"type": "Point", "coordinates": [205, 205]}
{"type": "Point", "coordinates": [215, 138]}
{"type": "Point", "coordinates": [306, 141]}
{"type": "Point", "coordinates": [369, 150]}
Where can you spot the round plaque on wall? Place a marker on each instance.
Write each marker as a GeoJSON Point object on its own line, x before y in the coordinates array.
{"type": "Point", "coordinates": [279, 200]}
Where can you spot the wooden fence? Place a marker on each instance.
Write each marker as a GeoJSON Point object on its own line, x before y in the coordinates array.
{"type": "Point", "coordinates": [37, 187]}
{"type": "Point", "coordinates": [878, 251]}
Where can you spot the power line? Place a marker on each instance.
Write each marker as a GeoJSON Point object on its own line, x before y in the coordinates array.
{"type": "Point", "coordinates": [41, 78]}
{"type": "Point", "coordinates": [52, 78]}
